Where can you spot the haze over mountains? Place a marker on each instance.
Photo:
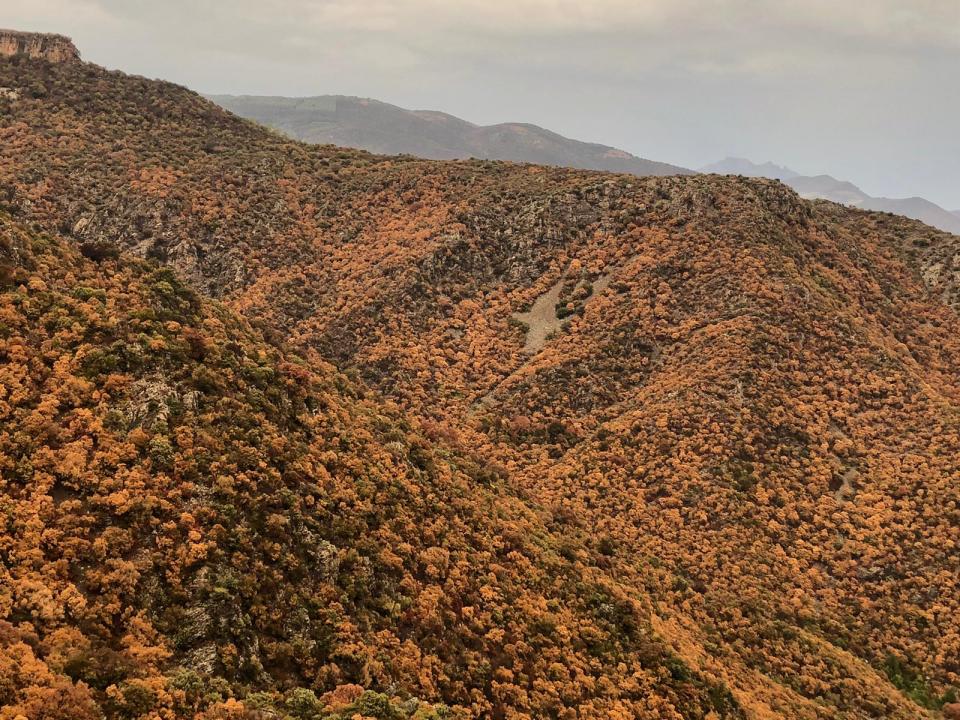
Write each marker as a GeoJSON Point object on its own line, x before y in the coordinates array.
{"type": "Point", "coordinates": [383, 128]}
{"type": "Point", "coordinates": [303, 432]}
{"type": "Point", "coordinates": [826, 187]}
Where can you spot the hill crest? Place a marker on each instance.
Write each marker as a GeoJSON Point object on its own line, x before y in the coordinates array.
{"type": "Point", "coordinates": [387, 129]}
{"type": "Point", "coordinates": [827, 187]}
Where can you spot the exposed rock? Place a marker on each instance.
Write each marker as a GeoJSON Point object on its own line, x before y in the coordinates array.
{"type": "Point", "coordinates": [55, 48]}
{"type": "Point", "coordinates": [150, 402]}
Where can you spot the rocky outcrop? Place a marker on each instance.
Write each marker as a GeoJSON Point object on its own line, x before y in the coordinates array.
{"type": "Point", "coordinates": [55, 48]}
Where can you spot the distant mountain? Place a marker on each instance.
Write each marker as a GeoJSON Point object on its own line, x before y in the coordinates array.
{"type": "Point", "coordinates": [390, 130]}
{"type": "Point", "coordinates": [826, 187]}
{"type": "Point", "coordinates": [742, 166]}
{"type": "Point", "coordinates": [918, 208]}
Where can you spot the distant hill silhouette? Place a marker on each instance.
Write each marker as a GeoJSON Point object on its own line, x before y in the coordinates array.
{"type": "Point", "coordinates": [747, 168]}
{"type": "Point", "coordinates": [826, 187]}
{"type": "Point", "coordinates": [386, 129]}
{"type": "Point", "coordinates": [390, 130]}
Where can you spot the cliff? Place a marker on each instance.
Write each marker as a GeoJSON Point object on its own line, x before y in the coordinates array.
{"type": "Point", "coordinates": [55, 48]}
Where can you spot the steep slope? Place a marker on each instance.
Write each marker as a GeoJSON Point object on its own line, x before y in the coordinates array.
{"type": "Point", "coordinates": [383, 128]}
{"type": "Point", "coordinates": [825, 187]}
{"type": "Point", "coordinates": [193, 516]}
{"type": "Point", "coordinates": [747, 403]}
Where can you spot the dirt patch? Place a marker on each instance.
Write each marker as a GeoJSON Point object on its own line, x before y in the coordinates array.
{"type": "Point", "coordinates": [541, 320]}
{"type": "Point", "coordinates": [845, 489]}
{"type": "Point", "coordinates": [602, 283]}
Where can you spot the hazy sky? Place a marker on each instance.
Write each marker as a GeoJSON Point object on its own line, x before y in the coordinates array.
{"type": "Point", "coordinates": [865, 90]}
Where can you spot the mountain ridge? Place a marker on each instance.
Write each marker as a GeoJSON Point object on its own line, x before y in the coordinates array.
{"type": "Point", "coordinates": [274, 532]}
{"type": "Point", "coordinates": [743, 166]}
{"type": "Point", "coordinates": [388, 129]}
{"type": "Point", "coordinates": [826, 187]}
{"type": "Point", "coordinates": [383, 128]}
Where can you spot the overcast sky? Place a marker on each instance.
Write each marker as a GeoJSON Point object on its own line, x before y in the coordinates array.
{"type": "Point", "coordinates": [865, 90]}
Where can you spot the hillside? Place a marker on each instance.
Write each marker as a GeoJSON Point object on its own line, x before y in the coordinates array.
{"type": "Point", "coordinates": [825, 187]}
{"type": "Point", "coordinates": [390, 130]}
{"type": "Point", "coordinates": [603, 446]}
{"type": "Point", "coordinates": [198, 522]}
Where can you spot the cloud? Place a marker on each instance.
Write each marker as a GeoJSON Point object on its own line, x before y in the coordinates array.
{"type": "Point", "coordinates": [739, 37]}
{"type": "Point", "coordinates": [54, 15]}
{"type": "Point", "coordinates": [913, 21]}
{"type": "Point", "coordinates": [902, 22]}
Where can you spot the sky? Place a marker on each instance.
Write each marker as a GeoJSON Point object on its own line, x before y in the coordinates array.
{"type": "Point", "coordinates": [864, 90]}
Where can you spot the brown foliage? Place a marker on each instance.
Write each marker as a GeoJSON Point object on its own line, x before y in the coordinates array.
{"type": "Point", "coordinates": [744, 432]}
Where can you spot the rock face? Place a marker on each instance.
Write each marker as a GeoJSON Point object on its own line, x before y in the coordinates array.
{"type": "Point", "coordinates": [55, 48]}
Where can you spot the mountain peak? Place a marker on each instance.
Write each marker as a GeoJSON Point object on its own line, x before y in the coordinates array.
{"type": "Point", "coordinates": [55, 48]}
{"type": "Point", "coordinates": [387, 129]}
{"type": "Point", "coordinates": [748, 168]}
